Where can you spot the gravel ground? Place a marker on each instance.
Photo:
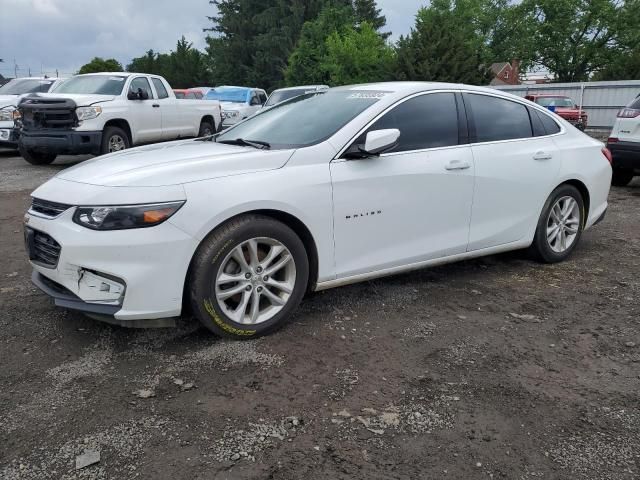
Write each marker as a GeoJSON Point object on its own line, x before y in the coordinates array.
{"type": "Point", "coordinates": [493, 368]}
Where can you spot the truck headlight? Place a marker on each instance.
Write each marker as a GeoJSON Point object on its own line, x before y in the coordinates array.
{"type": "Point", "coordinates": [6, 114]}
{"type": "Point", "coordinates": [87, 113]}
{"type": "Point", "coordinates": [120, 217]}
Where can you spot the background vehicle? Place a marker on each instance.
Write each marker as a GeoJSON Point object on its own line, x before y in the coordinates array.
{"type": "Point", "coordinates": [313, 193]}
{"type": "Point", "coordinates": [106, 112]}
{"type": "Point", "coordinates": [283, 94]}
{"type": "Point", "coordinates": [563, 106]}
{"type": "Point", "coordinates": [10, 94]}
{"type": "Point", "coordinates": [237, 103]}
{"type": "Point", "coordinates": [188, 94]}
{"type": "Point", "coordinates": [624, 144]}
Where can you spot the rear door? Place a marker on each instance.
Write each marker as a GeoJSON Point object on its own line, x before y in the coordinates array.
{"type": "Point", "coordinates": [515, 169]}
{"type": "Point", "coordinates": [413, 203]}
{"type": "Point", "coordinates": [145, 117]}
{"type": "Point", "coordinates": [173, 125]}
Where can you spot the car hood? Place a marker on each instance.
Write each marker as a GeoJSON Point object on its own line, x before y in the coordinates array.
{"type": "Point", "coordinates": [174, 163]}
{"type": "Point", "coordinates": [80, 99]}
{"type": "Point", "coordinates": [6, 100]}
{"type": "Point", "coordinates": [232, 106]}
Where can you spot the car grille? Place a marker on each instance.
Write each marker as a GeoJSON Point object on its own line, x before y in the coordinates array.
{"type": "Point", "coordinates": [47, 208]}
{"type": "Point", "coordinates": [43, 249]}
{"type": "Point", "coordinates": [38, 113]}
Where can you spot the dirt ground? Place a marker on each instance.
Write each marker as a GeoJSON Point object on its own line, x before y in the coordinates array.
{"type": "Point", "coordinates": [493, 368]}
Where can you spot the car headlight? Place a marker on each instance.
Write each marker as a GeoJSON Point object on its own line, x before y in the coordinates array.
{"type": "Point", "coordinates": [230, 113]}
{"type": "Point", "coordinates": [119, 217]}
{"type": "Point", "coordinates": [87, 113]}
{"type": "Point", "coordinates": [6, 114]}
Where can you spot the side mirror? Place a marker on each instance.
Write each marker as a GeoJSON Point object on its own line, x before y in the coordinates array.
{"type": "Point", "coordinates": [380, 141]}
{"type": "Point", "coordinates": [131, 95]}
{"type": "Point", "coordinates": [140, 94]}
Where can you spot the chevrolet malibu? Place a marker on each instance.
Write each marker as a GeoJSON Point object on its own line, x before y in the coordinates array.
{"type": "Point", "coordinates": [316, 192]}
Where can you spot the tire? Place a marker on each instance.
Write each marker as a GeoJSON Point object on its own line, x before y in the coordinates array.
{"type": "Point", "coordinates": [621, 177]}
{"type": "Point", "coordinates": [206, 129]}
{"type": "Point", "coordinates": [35, 157]}
{"type": "Point", "coordinates": [214, 271]}
{"type": "Point", "coordinates": [114, 139]}
{"type": "Point", "coordinates": [552, 251]}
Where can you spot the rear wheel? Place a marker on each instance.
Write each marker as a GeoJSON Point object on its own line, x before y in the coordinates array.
{"type": "Point", "coordinates": [621, 177]}
{"type": "Point", "coordinates": [114, 139]}
{"type": "Point", "coordinates": [248, 277]}
{"type": "Point", "coordinates": [560, 225]}
{"type": "Point", "coordinates": [35, 157]}
{"type": "Point", "coordinates": [206, 129]}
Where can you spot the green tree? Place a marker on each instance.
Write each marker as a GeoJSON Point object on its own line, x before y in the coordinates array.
{"type": "Point", "coordinates": [442, 47]}
{"type": "Point", "coordinates": [305, 62]}
{"type": "Point", "coordinates": [98, 64]}
{"type": "Point", "coordinates": [357, 56]}
{"type": "Point", "coordinates": [575, 38]}
{"type": "Point", "coordinates": [367, 11]}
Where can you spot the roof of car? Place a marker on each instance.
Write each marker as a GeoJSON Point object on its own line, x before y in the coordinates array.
{"type": "Point", "coordinates": [546, 95]}
{"type": "Point", "coordinates": [300, 87]}
{"type": "Point", "coordinates": [411, 87]}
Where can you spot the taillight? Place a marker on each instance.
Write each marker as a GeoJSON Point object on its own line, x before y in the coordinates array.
{"type": "Point", "coordinates": [607, 153]}
{"type": "Point", "coordinates": [612, 140]}
{"type": "Point", "coordinates": [628, 113]}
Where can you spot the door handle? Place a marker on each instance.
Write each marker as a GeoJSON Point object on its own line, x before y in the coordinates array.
{"type": "Point", "coordinates": [542, 156]}
{"type": "Point", "coordinates": [457, 165]}
{"type": "Point", "coordinates": [155, 105]}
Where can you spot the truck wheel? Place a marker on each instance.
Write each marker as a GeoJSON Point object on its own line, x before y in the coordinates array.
{"type": "Point", "coordinates": [206, 129]}
{"type": "Point", "coordinates": [247, 277]}
{"type": "Point", "coordinates": [37, 158]}
{"type": "Point", "coordinates": [114, 139]}
{"type": "Point", "coordinates": [621, 177]}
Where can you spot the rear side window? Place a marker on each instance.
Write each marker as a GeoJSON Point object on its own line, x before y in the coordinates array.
{"type": "Point", "coordinates": [162, 92]}
{"type": "Point", "coordinates": [498, 119]}
{"type": "Point", "coordinates": [426, 121]}
{"type": "Point", "coordinates": [551, 127]}
{"type": "Point", "coordinates": [635, 104]}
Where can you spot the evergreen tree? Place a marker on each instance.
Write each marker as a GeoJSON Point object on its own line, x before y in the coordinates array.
{"type": "Point", "coordinates": [367, 11]}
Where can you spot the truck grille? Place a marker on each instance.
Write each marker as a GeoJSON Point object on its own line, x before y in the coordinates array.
{"type": "Point", "coordinates": [47, 208]}
{"type": "Point", "coordinates": [39, 113]}
{"type": "Point", "coordinates": [42, 248]}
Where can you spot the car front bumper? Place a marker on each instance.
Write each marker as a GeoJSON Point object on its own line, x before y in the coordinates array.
{"type": "Point", "coordinates": [62, 142]}
{"type": "Point", "coordinates": [8, 137]}
{"type": "Point", "coordinates": [127, 277]}
{"type": "Point", "coordinates": [626, 155]}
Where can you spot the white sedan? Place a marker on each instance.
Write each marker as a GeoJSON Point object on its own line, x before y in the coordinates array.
{"type": "Point", "coordinates": [316, 192]}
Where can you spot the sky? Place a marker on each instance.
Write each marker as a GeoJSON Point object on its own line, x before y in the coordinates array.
{"type": "Point", "coordinates": [45, 35]}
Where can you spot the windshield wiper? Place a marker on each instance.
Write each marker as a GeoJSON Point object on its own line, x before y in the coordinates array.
{"type": "Point", "coordinates": [260, 145]}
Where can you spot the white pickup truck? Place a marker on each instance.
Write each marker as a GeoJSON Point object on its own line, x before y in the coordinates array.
{"type": "Point", "coordinates": [106, 112]}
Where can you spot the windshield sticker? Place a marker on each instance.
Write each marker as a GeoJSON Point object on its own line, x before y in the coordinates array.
{"type": "Point", "coordinates": [116, 79]}
{"type": "Point", "coordinates": [367, 95]}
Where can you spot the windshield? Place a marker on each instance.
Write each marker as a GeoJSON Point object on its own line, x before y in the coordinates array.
{"type": "Point", "coordinates": [93, 85]}
{"type": "Point", "coordinates": [20, 86]}
{"type": "Point", "coordinates": [282, 95]}
{"type": "Point", "coordinates": [304, 120]}
{"type": "Point", "coordinates": [565, 102]}
{"type": "Point", "coordinates": [223, 94]}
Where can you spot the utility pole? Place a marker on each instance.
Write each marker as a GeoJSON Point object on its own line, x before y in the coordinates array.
{"type": "Point", "coordinates": [15, 68]}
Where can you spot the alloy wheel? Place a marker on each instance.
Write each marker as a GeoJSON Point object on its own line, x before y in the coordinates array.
{"type": "Point", "coordinates": [563, 224]}
{"type": "Point", "coordinates": [116, 143]}
{"type": "Point", "coordinates": [255, 280]}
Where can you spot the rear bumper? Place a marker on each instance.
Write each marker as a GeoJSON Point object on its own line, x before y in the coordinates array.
{"type": "Point", "coordinates": [62, 142]}
{"type": "Point", "coordinates": [626, 155]}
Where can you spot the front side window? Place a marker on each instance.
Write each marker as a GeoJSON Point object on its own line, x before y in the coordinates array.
{"type": "Point", "coordinates": [141, 83]}
{"type": "Point", "coordinates": [498, 119]}
{"type": "Point", "coordinates": [304, 120]}
{"type": "Point", "coordinates": [162, 92]}
{"type": "Point", "coordinates": [426, 121]}
{"type": "Point", "coordinates": [93, 85]}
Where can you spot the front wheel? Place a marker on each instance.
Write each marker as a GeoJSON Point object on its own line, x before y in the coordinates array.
{"type": "Point", "coordinates": [206, 129]}
{"type": "Point", "coordinates": [621, 177]}
{"type": "Point", "coordinates": [248, 276]}
{"type": "Point", "coordinates": [114, 139]}
{"type": "Point", "coordinates": [35, 157]}
{"type": "Point", "coordinates": [560, 225]}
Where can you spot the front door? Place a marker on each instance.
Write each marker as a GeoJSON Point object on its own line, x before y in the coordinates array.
{"type": "Point", "coordinates": [411, 204]}
{"type": "Point", "coordinates": [146, 117]}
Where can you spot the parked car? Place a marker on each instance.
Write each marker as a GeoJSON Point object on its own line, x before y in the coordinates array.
{"type": "Point", "coordinates": [188, 94]}
{"type": "Point", "coordinates": [237, 103]}
{"type": "Point", "coordinates": [313, 193]}
{"type": "Point", "coordinates": [204, 90]}
{"type": "Point", "coordinates": [10, 94]}
{"type": "Point", "coordinates": [624, 144]}
{"type": "Point", "coordinates": [283, 94]}
{"type": "Point", "coordinates": [106, 112]}
{"type": "Point", "coordinates": [563, 106]}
